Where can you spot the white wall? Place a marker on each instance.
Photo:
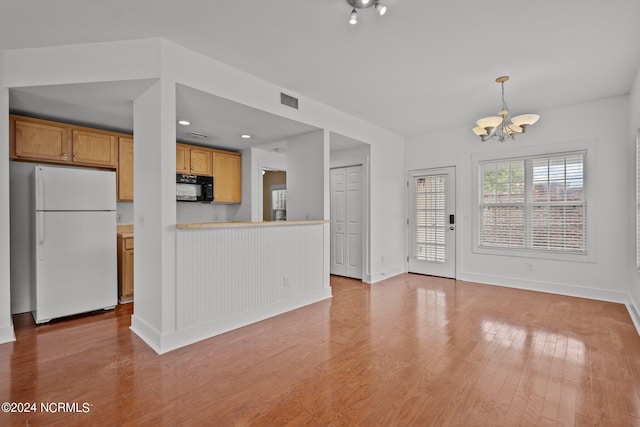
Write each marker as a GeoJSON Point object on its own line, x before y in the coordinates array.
{"type": "Point", "coordinates": [6, 323]}
{"type": "Point", "coordinates": [188, 212]}
{"type": "Point", "coordinates": [603, 124]}
{"type": "Point", "coordinates": [21, 235]}
{"type": "Point", "coordinates": [634, 128]}
{"type": "Point", "coordinates": [306, 170]}
{"type": "Point", "coordinates": [387, 149]}
{"type": "Point", "coordinates": [157, 58]}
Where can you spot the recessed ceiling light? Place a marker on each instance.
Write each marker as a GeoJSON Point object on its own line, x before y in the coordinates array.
{"type": "Point", "coordinates": [184, 122]}
{"type": "Point", "coordinates": [245, 136]}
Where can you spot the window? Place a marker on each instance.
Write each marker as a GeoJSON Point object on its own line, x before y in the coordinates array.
{"type": "Point", "coordinates": [534, 203]}
{"type": "Point", "coordinates": [430, 211]}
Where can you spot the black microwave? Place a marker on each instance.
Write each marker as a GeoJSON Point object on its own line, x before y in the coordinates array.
{"type": "Point", "coordinates": [194, 188]}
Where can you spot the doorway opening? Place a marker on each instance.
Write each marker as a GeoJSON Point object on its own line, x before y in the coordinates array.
{"type": "Point", "coordinates": [274, 195]}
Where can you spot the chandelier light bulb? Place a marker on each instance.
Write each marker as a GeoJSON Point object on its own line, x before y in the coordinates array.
{"type": "Point", "coordinates": [365, 2]}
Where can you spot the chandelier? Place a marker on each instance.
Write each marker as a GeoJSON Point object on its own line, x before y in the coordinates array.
{"type": "Point", "coordinates": [363, 4]}
{"type": "Point", "coordinates": [503, 126]}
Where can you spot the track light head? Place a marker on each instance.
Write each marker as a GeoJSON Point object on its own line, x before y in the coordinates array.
{"type": "Point", "coordinates": [353, 18]}
{"type": "Point", "coordinates": [381, 9]}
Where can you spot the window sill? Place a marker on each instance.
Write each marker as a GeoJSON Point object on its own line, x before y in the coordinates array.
{"type": "Point", "coordinates": [528, 253]}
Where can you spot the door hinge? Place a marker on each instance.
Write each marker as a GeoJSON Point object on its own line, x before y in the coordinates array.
{"type": "Point", "coordinates": [407, 184]}
{"type": "Point", "coordinates": [407, 259]}
{"type": "Point", "coordinates": [407, 221]}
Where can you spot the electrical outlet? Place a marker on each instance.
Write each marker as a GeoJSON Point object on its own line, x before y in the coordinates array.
{"type": "Point", "coordinates": [529, 266]}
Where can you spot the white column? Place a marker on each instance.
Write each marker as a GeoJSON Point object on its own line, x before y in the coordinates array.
{"type": "Point", "coordinates": [154, 213]}
{"type": "Point", "coordinates": [307, 171]}
{"type": "Point", "coordinates": [6, 324]}
{"type": "Point", "coordinates": [308, 188]}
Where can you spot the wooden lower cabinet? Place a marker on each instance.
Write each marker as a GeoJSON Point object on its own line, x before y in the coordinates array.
{"type": "Point", "coordinates": [125, 269]}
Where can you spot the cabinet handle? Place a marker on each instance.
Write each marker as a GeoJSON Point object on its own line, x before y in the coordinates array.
{"type": "Point", "coordinates": [75, 155]}
{"type": "Point", "coordinates": [64, 154]}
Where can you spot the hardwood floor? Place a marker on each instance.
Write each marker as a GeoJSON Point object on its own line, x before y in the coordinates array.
{"type": "Point", "coordinates": [412, 350]}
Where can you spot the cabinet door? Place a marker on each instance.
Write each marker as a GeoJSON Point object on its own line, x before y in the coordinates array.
{"type": "Point", "coordinates": [125, 169]}
{"type": "Point", "coordinates": [127, 279]}
{"type": "Point", "coordinates": [227, 177]}
{"type": "Point", "coordinates": [94, 148]}
{"type": "Point", "coordinates": [201, 161]}
{"type": "Point", "coordinates": [183, 158]}
{"type": "Point", "coordinates": [125, 268]}
{"type": "Point", "coordinates": [39, 141]}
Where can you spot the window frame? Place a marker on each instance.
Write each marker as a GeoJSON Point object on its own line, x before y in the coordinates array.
{"type": "Point", "coordinates": [589, 148]}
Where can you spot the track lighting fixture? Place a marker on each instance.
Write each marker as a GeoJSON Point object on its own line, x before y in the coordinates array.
{"type": "Point", "coordinates": [363, 4]}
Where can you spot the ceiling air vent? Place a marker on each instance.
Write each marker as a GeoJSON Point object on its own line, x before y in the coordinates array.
{"type": "Point", "coordinates": [197, 135]}
{"type": "Point", "coordinates": [288, 100]}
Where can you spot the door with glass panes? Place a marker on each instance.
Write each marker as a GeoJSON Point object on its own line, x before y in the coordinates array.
{"type": "Point", "coordinates": [432, 222]}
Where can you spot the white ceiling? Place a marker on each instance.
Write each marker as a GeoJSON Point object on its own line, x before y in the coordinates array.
{"type": "Point", "coordinates": [423, 66]}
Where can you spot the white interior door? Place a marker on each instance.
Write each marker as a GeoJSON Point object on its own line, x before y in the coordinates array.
{"type": "Point", "coordinates": [432, 222]}
{"type": "Point", "coordinates": [346, 221]}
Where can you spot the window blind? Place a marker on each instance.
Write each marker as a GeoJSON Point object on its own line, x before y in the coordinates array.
{"type": "Point", "coordinates": [429, 239]}
{"type": "Point", "coordinates": [534, 203]}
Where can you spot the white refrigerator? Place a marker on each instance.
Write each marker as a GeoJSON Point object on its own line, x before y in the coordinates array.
{"type": "Point", "coordinates": [74, 261]}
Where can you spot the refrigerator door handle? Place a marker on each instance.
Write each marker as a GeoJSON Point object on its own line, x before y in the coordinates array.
{"type": "Point", "coordinates": [39, 189]}
{"type": "Point", "coordinates": [40, 228]}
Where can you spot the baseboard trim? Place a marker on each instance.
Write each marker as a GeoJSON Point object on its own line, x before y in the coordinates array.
{"type": "Point", "coordinates": [146, 332]}
{"type": "Point", "coordinates": [7, 334]}
{"type": "Point", "coordinates": [166, 343]}
{"type": "Point", "coordinates": [632, 308]}
{"type": "Point", "coordinates": [549, 287]}
{"type": "Point", "coordinates": [385, 274]}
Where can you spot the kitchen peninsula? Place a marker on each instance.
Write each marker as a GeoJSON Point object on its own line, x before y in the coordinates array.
{"type": "Point", "coordinates": [235, 273]}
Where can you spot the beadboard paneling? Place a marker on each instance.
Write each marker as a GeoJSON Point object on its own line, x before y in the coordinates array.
{"type": "Point", "coordinates": [222, 272]}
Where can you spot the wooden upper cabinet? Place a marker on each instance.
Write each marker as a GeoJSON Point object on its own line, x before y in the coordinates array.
{"type": "Point", "coordinates": [227, 177]}
{"type": "Point", "coordinates": [183, 158]}
{"type": "Point", "coordinates": [201, 163]}
{"type": "Point", "coordinates": [125, 169]}
{"type": "Point", "coordinates": [193, 160]}
{"type": "Point", "coordinates": [40, 141]}
{"type": "Point", "coordinates": [93, 148]}
{"type": "Point", "coordinates": [45, 141]}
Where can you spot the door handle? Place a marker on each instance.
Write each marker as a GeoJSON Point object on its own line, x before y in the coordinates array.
{"type": "Point", "coordinates": [452, 228]}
